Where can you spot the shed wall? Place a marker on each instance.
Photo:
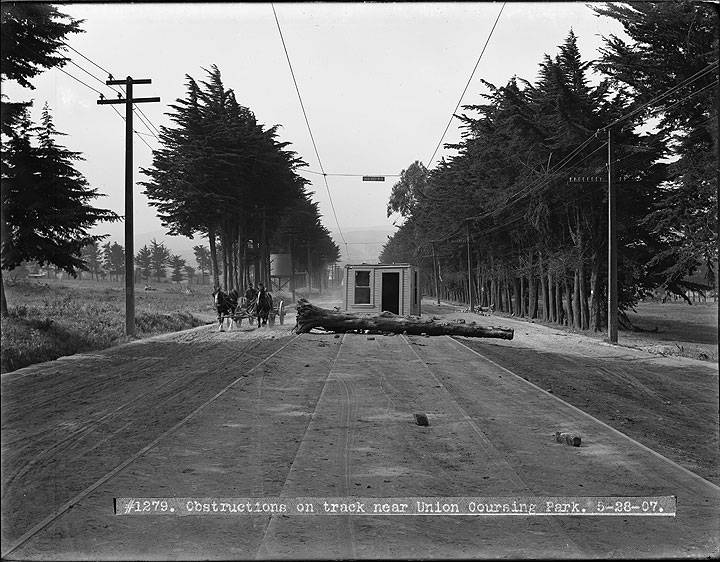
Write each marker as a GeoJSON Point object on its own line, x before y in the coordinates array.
{"type": "Point", "coordinates": [406, 292]}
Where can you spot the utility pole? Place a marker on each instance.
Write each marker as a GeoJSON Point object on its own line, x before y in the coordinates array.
{"type": "Point", "coordinates": [435, 274]}
{"type": "Point", "coordinates": [612, 315]}
{"type": "Point", "coordinates": [129, 240]}
{"type": "Point", "coordinates": [469, 266]}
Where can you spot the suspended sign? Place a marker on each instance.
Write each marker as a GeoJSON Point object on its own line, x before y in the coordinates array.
{"type": "Point", "coordinates": [373, 178]}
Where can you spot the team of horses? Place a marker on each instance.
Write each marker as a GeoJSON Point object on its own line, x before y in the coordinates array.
{"type": "Point", "coordinates": [227, 304]}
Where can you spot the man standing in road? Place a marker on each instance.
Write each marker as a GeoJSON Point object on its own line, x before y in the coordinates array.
{"type": "Point", "coordinates": [250, 295]}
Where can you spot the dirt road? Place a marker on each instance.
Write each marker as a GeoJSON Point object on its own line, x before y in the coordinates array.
{"type": "Point", "coordinates": [263, 413]}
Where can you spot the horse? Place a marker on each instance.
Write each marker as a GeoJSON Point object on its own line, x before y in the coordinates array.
{"type": "Point", "coordinates": [225, 303]}
{"type": "Point", "coordinates": [263, 307]}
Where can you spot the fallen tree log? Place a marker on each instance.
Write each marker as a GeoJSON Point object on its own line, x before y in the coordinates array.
{"type": "Point", "coordinates": [310, 316]}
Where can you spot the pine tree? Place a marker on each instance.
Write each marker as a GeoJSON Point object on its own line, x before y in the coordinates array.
{"type": "Point", "coordinates": [46, 211]}
{"type": "Point", "coordinates": [93, 260]}
{"type": "Point", "coordinates": [144, 262]}
{"type": "Point", "coordinates": [114, 259]}
{"type": "Point", "coordinates": [160, 257]}
{"type": "Point", "coordinates": [189, 273]}
{"type": "Point", "coordinates": [202, 257]}
{"type": "Point", "coordinates": [178, 268]}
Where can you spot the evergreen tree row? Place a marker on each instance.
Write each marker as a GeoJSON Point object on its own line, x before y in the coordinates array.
{"type": "Point", "coordinates": [537, 235]}
{"type": "Point", "coordinates": [221, 174]}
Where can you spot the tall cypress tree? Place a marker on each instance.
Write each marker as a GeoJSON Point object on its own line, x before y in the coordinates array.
{"type": "Point", "coordinates": [671, 42]}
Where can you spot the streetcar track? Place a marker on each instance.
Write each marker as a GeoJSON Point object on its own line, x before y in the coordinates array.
{"type": "Point", "coordinates": [487, 445]}
{"type": "Point", "coordinates": [415, 449]}
{"type": "Point", "coordinates": [75, 437]}
{"type": "Point", "coordinates": [115, 471]}
{"type": "Point", "coordinates": [684, 470]}
{"type": "Point", "coordinates": [262, 550]}
{"type": "Point", "coordinates": [345, 455]}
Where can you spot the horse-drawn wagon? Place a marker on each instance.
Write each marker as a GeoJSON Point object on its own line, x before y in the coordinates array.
{"type": "Point", "coordinates": [236, 309]}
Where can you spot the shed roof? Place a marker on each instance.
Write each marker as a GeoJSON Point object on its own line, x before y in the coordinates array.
{"type": "Point", "coordinates": [379, 265]}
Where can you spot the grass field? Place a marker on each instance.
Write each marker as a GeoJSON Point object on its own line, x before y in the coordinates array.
{"type": "Point", "coordinates": [48, 319]}
{"type": "Point", "coordinates": [677, 328]}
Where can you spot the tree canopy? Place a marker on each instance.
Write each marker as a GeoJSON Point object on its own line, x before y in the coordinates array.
{"type": "Point", "coordinates": [536, 235]}
{"type": "Point", "coordinates": [221, 174]}
{"type": "Point", "coordinates": [33, 34]}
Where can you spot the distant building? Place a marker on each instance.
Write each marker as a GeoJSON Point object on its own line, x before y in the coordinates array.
{"type": "Point", "coordinates": [375, 288]}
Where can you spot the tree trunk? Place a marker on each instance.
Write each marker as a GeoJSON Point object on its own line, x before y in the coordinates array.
{"type": "Point", "coordinates": [532, 289]}
{"type": "Point", "coordinates": [225, 256]}
{"type": "Point", "coordinates": [3, 302]}
{"type": "Point", "coordinates": [558, 301]}
{"type": "Point", "coordinates": [569, 308]}
{"type": "Point", "coordinates": [213, 258]}
{"type": "Point", "coordinates": [584, 311]}
{"type": "Point", "coordinates": [577, 323]}
{"type": "Point", "coordinates": [545, 293]}
{"type": "Point", "coordinates": [595, 322]}
{"type": "Point", "coordinates": [551, 298]}
{"type": "Point", "coordinates": [310, 316]}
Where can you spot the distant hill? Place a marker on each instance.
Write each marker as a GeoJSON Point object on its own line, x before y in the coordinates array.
{"type": "Point", "coordinates": [364, 244]}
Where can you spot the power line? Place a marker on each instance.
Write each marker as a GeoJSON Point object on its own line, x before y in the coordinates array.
{"type": "Point", "coordinates": [528, 190]}
{"type": "Point", "coordinates": [532, 188]}
{"type": "Point", "coordinates": [78, 80]}
{"type": "Point", "coordinates": [466, 86]}
{"type": "Point", "coordinates": [144, 122]}
{"type": "Point", "coordinates": [87, 59]}
{"type": "Point", "coordinates": [662, 96]}
{"type": "Point", "coordinates": [148, 120]}
{"type": "Point", "coordinates": [117, 92]}
{"type": "Point", "coordinates": [134, 131]}
{"type": "Point", "coordinates": [307, 122]}
{"type": "Point", "coordinates": [101, 94]}
{"type": "Point", "coordinates": [89, 86]}
{"type": "Point", "coordinates": [350, 175]}
{"type": "Point", "coordinates": [149, 124]}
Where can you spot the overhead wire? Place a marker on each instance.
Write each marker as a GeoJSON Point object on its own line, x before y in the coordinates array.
{"type": "Point", "coordinates": [307, 122]}
{"type": "Point", "coordinates": [134, 131]}
{"type": "Point", "coordinates": [452, 115]}
{"type": "Point", "coordinates": [565, 161]}
{"type": "Point", "coordinates": [78, 80]}
{"type": "Point", "coordinates": [149, 125]}
{"type": "Point", "coordinates": [349, 175]}
{"type": "Point", "coordinates": [101, 94]}
{"type": "Point", "coordinates": [699, 74]}
{"type": "Point", "coordinates": [536, 187]}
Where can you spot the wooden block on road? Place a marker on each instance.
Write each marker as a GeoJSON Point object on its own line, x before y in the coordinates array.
{"type": "Point", "coordinates": [568, 438]}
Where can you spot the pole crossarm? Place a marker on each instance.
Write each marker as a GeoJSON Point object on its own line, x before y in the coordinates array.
{"type": "Point", "coordinates": [125, 81]}
{"type": "Point", "coordinates": [123, 100]}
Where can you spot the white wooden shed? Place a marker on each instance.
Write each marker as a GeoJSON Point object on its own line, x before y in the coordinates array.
{"type": "Point", "coordinates": [374, 288]}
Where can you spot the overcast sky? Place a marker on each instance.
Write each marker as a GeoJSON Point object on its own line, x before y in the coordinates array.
{"type": "Point", "coordinates": [379, 81]}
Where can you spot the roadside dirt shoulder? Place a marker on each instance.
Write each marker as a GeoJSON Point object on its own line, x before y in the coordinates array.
{"type": "Point", "coordinates": [668, 403]}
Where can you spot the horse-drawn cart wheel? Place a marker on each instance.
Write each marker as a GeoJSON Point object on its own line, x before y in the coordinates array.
{"type": "Point", "coordinates": [281, 312]}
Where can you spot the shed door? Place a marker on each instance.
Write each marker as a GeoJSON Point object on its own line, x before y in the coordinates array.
{"type": "Point", "coordinates": [391, 292]}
